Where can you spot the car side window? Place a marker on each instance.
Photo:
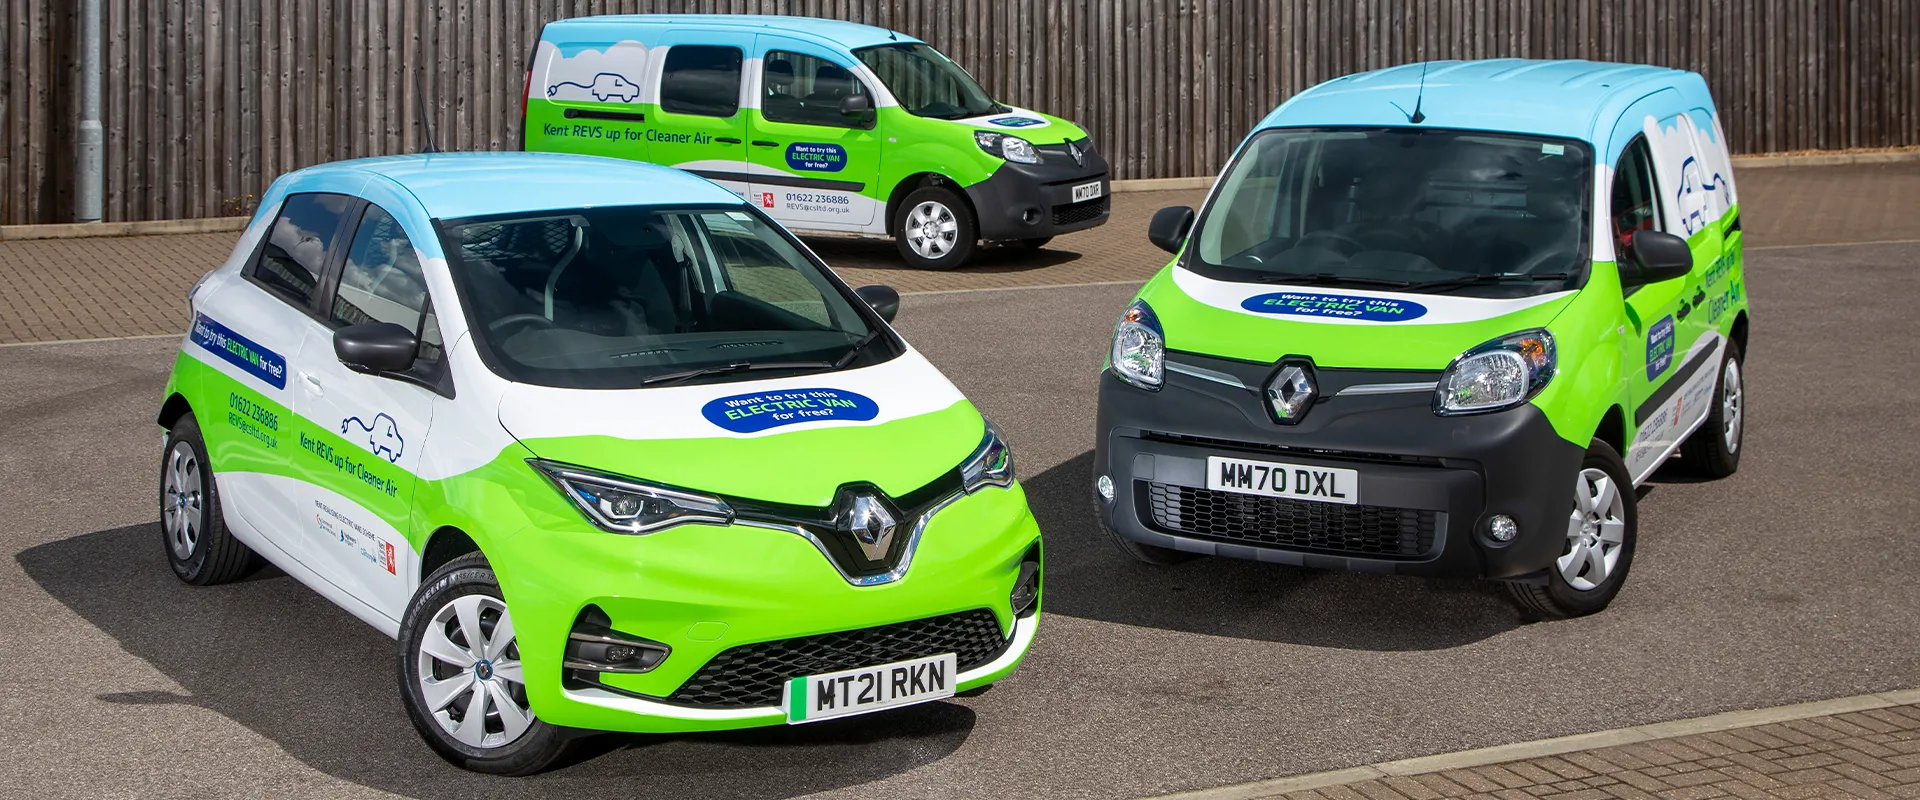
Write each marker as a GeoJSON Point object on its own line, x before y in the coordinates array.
{"type": "Point", "coordinates": [701, 79]}
{"type": "Point", "coordinates": [806, 90]}
{"type": "Point", "coordinates": [1636, 200]}
{"type": "Point", "coordinates": [383, 281]}
{"type": "Point", "coordinates": [298, 246]}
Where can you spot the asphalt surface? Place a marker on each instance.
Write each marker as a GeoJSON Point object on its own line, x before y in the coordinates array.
{"type": "Point", "coordinates": [1790, 581]}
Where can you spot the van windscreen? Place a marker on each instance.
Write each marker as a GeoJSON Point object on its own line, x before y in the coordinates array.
{"type": "Point", "coordinates": [926, 83]}
{"type": "Point", "coordinates": [1401, 209]}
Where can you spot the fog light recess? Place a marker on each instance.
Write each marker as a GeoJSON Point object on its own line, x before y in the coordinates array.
{"type": "Point", "coordinates": [1502, 529]}
{"type": "Point", "coordinates": [1104, 485]}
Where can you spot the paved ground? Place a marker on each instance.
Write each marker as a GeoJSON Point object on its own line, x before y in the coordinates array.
{"type": "Point", "coordinates": [1791, 581]}
{"type": "Point", "coordinates": [96, 288]}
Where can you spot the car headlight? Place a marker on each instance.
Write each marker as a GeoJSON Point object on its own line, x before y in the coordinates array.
{"type": "Point", "coordinates": [1139, 347]}
{"type": "Point", "coordinates": [623, 505]}
{"type": "Point", "coordinates": [1497, 375]}
{"type": "Point", "coordinates": [990, 465]}
{"type": "Point", "coordinates": [1011, 148]}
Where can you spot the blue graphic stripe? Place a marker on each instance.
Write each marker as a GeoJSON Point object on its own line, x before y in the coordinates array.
{"type": "Point", "coordinates": [240, 351]}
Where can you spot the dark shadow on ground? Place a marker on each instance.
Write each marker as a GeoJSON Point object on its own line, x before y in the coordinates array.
{"type": "Point", "coordinates": [1088, 577]}
{"type": "Point", "coordinates": [273, 656]}
{"type": "Point", "coordinates": [884, 254]}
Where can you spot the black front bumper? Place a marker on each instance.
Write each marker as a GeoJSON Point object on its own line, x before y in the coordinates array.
{"type": "Point", "coordinates": [1035, 201]}
{"type": "Point", "coordinates": [1427, 483]}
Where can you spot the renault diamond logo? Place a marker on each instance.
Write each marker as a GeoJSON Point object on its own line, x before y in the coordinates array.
{"type": "Point", "coordinates": [1291, 392]}
{"type": "Point", "coordinates": [1075, 152]}
{"type": "Point", "coordinates": [870, 523]}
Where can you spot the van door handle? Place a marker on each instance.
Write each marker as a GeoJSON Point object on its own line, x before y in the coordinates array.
{"type": "Point", "coordinates": [313, 383]}
{"type": "Point", "coordinates": [726, 140]}
{"type": "Point", "coordinates": [765, 143]}
{"type": "Point", "coordinates": [1684, 310]}
{"type": "Point", "coordinates": [1699, 296]}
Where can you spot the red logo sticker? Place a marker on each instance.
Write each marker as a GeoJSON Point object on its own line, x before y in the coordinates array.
{"type": "Point", "coordinates": [766, 199]}
{"type": "Point", "coordinates": [390, 568]}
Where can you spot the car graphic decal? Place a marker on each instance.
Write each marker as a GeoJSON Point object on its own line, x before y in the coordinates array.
{"type": "Point", "coordinates": [758, 411]}
{"type": "Point", "coordinates": [382, 435]}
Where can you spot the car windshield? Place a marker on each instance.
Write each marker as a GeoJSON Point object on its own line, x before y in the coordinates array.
{"type": "Point", "coordinates": [926, 83]}
{"type": "Point", "coordinates": [630, 296]}
{"type": "Point", "coordinates": [1401, 209]}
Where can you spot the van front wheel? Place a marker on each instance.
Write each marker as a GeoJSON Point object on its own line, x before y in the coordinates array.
{"type": "Point", "coordinates": [1598, 550]}
{"type": "Point", "coordinates": [934, 229]}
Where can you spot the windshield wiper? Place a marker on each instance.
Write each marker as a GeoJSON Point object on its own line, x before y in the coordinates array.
{"type": "Point", "coordinates": [728, 369]}
{"type": "Point", "coordinates": [1330, 277]}
{"type": "Point", "coordinates": [1492, 277]}
{"type": "Point", "coordinates": [858, 346]}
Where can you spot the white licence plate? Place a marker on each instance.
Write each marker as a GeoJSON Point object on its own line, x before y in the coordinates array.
{"type": "Point", "coordinates": [1086, 191]}
{"type": "Point", "coordinates": [1292, 481]}
{"type": "Point", "coordinates": [858, 691]}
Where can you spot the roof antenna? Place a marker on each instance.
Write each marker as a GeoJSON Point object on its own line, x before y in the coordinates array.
{"type": "Point", "coordinates": [1417, 116]}
{"type": "Point", "coordinates": [420, 95]}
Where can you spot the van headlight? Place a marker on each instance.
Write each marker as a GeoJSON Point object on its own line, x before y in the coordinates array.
{"type": "Point", "coordinates": [619, 504]}
{"type": "Point", "coordinates": [1497, 375]}
{"type": "Point", "coordinates": [1139, 348]}
{"type": "Point", "coordinates": [1011, 148]}
{"type": "Point", "coordinates": [991, 463]}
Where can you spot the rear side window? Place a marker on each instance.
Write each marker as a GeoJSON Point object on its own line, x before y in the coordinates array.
{"type": "Point", "coordinates": [299, 246]}
{"type": "Point", "coordinates": [701, 79]}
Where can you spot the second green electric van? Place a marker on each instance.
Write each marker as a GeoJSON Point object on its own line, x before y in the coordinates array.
{"type": "Point", "coordinates": [827, 126]}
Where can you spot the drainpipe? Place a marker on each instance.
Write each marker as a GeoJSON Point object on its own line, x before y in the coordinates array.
{"type": "Point", "coordinates": [89, 172]}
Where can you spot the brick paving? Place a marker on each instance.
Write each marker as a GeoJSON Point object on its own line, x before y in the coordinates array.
{"type": "Point", "coordinates": [1867, 755]}
{"type": "Point", "coordinates": [53, 290]}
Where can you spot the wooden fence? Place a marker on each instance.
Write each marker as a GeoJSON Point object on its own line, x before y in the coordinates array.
{"type": "Point", "coordinates": [207, 100]}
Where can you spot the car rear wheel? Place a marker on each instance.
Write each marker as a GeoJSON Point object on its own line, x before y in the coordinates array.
{"type": "Point", "coordinates": [1598, 549]}
{"type": "Point", "coordinates": [199, 547]}
{"type": "Point", "coordinates": [934, 229]}
{"type": "Point", "coordinates": [461, 677]}
{"type": "Point", "coordinates": [1713, 451]}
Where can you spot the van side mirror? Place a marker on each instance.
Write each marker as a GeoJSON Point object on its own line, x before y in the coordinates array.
{"type": "Point", "coordinates": [375, 347]}
{"type": "Point", "coordinates": [1660, 257]}
{"type": "Point", "coordinates": [1169, 227]}
{"type": "Point", "coordinates": [884, 300]}
{"type": "Point", "coordinates": [854, 105]}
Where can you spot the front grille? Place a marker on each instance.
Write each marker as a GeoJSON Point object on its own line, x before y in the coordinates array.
{"type": "Point", "coordinates": [754, 674]}
{"type": "Point", "coordinates": [1313, 452]}
{"type": "Point", "coordinates": [1083, 211]}
{"type": "Point", "coordinates": [1372, 531]}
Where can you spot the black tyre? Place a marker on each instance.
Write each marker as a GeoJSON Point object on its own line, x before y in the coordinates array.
{"type": "Point", "coordinates": [1713, 451]}
{"type": "Point", "coordinates": [1599, 543]}
{"type": "Point", "coordinates": [463, 689]}
{"type": "Point", "coordinates": [1143, 553]}
{"type": "Point", "coordinates": [935, 229]}
{"type": "Point", "coordinates": [193, 530]}
{"type": "Point", "coordinates": [1035, 244]}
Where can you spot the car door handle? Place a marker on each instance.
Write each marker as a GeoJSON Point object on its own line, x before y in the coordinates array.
{"type": "Point", "coordinates": [313, 383]}
{"type": "Point", "coordinates": [765, 143]}
{"type": "Point", "coordinates": [726, 140]}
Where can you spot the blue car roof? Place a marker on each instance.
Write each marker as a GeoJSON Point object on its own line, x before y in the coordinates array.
{"type": "Point", "coordinates": [1549, 98]}
{"type": "Point", "coordinates": [850, 35]}
{"type": "Point", "coordinates": [454, 185]}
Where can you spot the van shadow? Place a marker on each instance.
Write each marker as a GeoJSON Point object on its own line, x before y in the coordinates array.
{"type": "Point", "coordinates": [1087, 576]}
{"type": "Point", "coordinates": [277, 658]}
{"type": "Point", "coordinates": [842, 253]}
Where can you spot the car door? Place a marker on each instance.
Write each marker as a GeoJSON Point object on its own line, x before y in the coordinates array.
{"type": "Point", "coordinates": [811, 163]}
{"type": "Point", "coordinates": [253, 329]}
{"type": "Point", "coordinates": [699, 124]}
{"type": "Point", "coordinates": [368, 431]}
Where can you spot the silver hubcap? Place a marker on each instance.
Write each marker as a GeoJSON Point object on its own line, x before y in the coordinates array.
{"type": "Point", "coordinates": [931, 230]}
{"type": "Point", "coordinates": [1730, 406]}
{"type": "Point", "coordinates": [468, 669]}
{"type": "Point", "coordinates": [181, 511]}
{"type": "Point", "coordinates": [1595, 531]}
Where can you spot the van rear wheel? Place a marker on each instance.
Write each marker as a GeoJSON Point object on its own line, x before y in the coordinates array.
{"type": "Point", "coordinates": [1713, 451]}
{"type": "Point", "coordinates": [934, 229]}
{"type": "Point", "coordinates": [1598, 550]}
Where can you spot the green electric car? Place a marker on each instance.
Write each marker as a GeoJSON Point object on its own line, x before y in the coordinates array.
{"type": "Point", "coordinates": [829, 127]}
{"type": "Point", "coordinates": [1439, 319]}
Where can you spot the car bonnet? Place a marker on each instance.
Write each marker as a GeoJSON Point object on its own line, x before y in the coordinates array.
{"type": "Point", "coordinates": [897, 425]}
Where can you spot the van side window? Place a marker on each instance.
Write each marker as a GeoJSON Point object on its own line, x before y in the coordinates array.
{"type": "Point", "coordinates": [802, 89]}
{"type": "Point", "coordinates": [1636, 200]}
{"type": "Point", "coordinates": [299, 246]}
{"type": "Point", "coordinates": [383, 282]}
{"type": "Point", "coordinates": [701, 79]}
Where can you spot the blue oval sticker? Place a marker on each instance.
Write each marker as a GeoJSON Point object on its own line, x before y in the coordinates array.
{"type": "Point", "coordinates": [1340, 306]}
{"type": "Point", "coordinates": [752, 413]}
{"type": "Point", "coordinates": [816, 157]}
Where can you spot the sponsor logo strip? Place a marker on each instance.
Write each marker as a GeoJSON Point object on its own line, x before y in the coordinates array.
{"type": "Point", "coordinates": [240, 351]}
{"type": "Point", "coordinates": [1342, 306]}
{"type": "Point", "coordinates": [752, 413]}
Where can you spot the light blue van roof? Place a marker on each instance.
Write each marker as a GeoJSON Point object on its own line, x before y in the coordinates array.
{"type": "Point", "coordinates": [454, 185]}
{"type": "Point", "coordinates": [1551, 98]}
{"type": "Point", "coordinates": [850, 35]}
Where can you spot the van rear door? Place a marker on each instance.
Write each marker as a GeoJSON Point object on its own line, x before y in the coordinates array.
{"type": "Point", "coordinates": [700, 124]}
{"type": "Point", "coordinates": [588, 97]}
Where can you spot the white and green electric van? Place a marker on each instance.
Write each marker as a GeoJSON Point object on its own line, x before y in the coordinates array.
{"type": "Point", "coordinates": [829, 127]}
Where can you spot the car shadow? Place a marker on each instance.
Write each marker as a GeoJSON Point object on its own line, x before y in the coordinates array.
{"type": "Point", "coordinates": [1087, 576]}
{"type": "Point", "coordinates": [275, 657]}
{"type": "Point", "coordinates": [883, 254]}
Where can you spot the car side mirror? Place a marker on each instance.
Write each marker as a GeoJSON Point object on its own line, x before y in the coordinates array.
{"type": "Point", "coordinates": [1660, 257]}
{"type": "Point", "coordinates": [375, 347]}
{"type": "Point", "coordinates": [884, 300]}
{"type": "Point", "coordinates": [1169, 227]}
{"type": "Point", "coordinates": [855, 105]}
